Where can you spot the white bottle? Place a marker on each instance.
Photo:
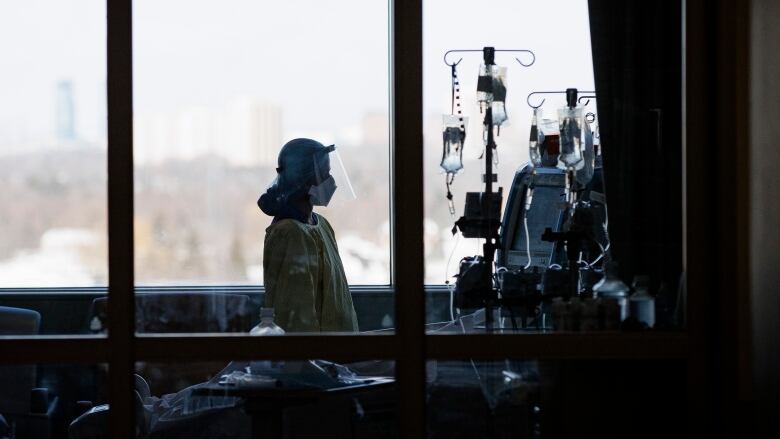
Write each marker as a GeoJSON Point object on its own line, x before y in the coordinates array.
{"type": "Point", "coordinates": [642, 303]}
{"type": "Point", "coordinates": [266, 325]}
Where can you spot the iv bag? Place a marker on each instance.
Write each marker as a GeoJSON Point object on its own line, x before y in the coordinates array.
{"type": "Point", "coordinates": [585, 173]}
{"type": "Point", "coordinates": [454, 137]}
{"type": "Point", "coordinates": [533, 142]}
{"type": "Point", "coordinates": [499, 95]}
{"type": "Point", "coordinates": [485, 84]}
{"type": "Point", "coordinates": [570, 126]}
{"type": "Point", "coordinates": [491, 90]}
{"type": "Point", "coordinates": [549, 142]}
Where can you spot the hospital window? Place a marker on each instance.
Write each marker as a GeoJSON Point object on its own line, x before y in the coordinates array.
{"type": "Point", "coordinates": [119, 257]}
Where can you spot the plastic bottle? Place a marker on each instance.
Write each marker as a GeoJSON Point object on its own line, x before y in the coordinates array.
{"type": "Point", "coordinates": [610, 287]}
{"type": "Point", "coordinates": [267, 325]}
{"type": "Point", "coordinates": [641, 303]}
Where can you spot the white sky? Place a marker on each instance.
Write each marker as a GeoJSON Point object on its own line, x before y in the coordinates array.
{"type": "Point", "coordinates": [325, 62]}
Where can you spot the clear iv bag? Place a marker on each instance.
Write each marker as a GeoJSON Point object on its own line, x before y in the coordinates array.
{"type": "Point", "coordinates": [499, 96]}
{"type": "Point", "coordinates": [570, 123]}
{"type": "Point", "coordinates": [533, 142]}
{"type": "Point", "coordinates": [454, 137]}
{"type": "Point", "coordinates": [485, 84]}
{"type": "Point", "coordinates": [585, 173]}
{"type": "Point", "coordinates": [491, 91]}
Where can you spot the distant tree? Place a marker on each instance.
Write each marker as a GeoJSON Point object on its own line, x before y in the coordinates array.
{"type": "Point", "coordinates": [193, 258]}
{"type": "Point", "coordinates": [237, 261]}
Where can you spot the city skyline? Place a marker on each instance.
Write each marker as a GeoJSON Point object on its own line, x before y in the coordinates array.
{"type": "Point", "coordinates": [211, 81]}
{"type": "Point", "coordinates": [244, 131]}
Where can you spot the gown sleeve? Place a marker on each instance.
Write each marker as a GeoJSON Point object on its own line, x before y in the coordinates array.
{"type": "Point", "coordinates": [290, 267]}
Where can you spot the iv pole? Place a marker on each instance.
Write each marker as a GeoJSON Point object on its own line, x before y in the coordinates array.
{"type": "Point", "coordinates": [491, 224]}
{"type": "Point", "coordinates": [489, 248]}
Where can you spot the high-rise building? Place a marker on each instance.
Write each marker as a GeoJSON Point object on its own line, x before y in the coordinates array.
{"type": "Point", "coordinates": [153, 138]}
{"type": "Point", "coordinates": [195, 129]}
{"type": "Point", "coordinates": [375, 129]}
{"type": "Point", "coordinates": [65, 116]}
{"type": "Point", "coordinates": [245, 132]}
{"type": "Point", "coordinates": [250, 132]}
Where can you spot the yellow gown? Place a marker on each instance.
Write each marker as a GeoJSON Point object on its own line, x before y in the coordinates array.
{"type": "Point", "coordinates": [304, 278]}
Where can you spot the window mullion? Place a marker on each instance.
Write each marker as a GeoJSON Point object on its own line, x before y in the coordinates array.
{"type": "Point", "coordinates": [85, 349]}
{"type": "Point", "coordinates": [559, 346]}
{"type": "Point", "coordinates": [213, 347]}
{"type": "Point", "coordinates": [407, 210]}
{"type": "Point", "coordinates": [121, 302]}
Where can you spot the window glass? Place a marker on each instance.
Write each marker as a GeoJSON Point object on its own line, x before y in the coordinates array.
{"type": "Point", "coordinates": [53, 400]}
{"type": "Point", "coordinates": [563, 60]}
{"type": "Point", "coordinates": [218, 89]}
{"type": "Point", "coordinates": [516, 398]}
{"type": "Point", "coordinates": [295, 399]}
{"type": "Point", "coordinates": [556, 261]}
{"type": "Point", "coordinates": [53, 144]}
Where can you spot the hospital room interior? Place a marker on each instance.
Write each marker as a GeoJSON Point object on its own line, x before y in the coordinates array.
{"type": "Point", "coordinates": [375, 219]}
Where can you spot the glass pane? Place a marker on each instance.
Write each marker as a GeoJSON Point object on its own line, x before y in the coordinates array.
{"type": "Point", "coordinates": [53, 312]}
{"type": "Point", "coordinates": [269, 399]}
{"type": "Point", "coordinates": [550, 170]}
{"type": "Point", "coordinates": [52, 400]}
{"type": "Point", "coordinates": [542, 399]}
{"type": "Point", "coordinates": [212, 112]}
{"type": "Point", "coordinates": [219, 89]}
{"type": "Point", "coordinates": [53, 144]}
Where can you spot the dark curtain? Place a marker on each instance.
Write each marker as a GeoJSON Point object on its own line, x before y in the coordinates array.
{"type": "Point", "coordinates": [637, 61]}
{"type": "Point", "coordinates": [637, 49]}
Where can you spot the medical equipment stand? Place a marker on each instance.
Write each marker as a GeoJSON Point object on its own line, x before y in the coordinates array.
{"type": "Point", "coordinates": [486, 225]}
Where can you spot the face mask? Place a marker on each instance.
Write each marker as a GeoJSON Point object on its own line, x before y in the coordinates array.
{"type": "Point", "coordinates": [321, 194]}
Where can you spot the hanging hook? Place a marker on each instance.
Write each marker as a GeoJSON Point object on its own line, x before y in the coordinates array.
{"type": "Point", "coordinates": [533, 55]}
{"type": "Point", "coordinates": [528, 99]}
{"type": "Point", "coordinates": [453, 64]}
{"type": "Point", "coordinates": [457, 50]}
{"type": "Point", "coordinates": [579, 100]}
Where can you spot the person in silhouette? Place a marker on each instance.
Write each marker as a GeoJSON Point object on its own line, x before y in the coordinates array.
{"type": "Point", "coordinates": [304, 276]}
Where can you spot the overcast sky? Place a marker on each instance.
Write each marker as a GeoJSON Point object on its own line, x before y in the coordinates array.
{"type": "Point", "coordinates": [324, 62]}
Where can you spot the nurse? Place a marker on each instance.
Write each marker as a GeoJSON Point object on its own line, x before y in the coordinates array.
{"type": "Point", "coordinates": [304, 277]}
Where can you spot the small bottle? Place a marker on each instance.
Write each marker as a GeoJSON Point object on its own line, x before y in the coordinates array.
{"type": "Point", "coordinates": [642, 303]}
{"type": "Point", "coordinates": [559, 315]}
{"type": "Point", "coordinates": [610, 287]}
{"type": "Point", "coordinates": [267, 325]}
{"type": "Point", "coordinates": [589, 321]}
{"type": "Point", "coordinates": [574, 313]}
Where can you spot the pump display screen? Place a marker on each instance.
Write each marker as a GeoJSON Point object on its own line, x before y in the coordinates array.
{"type": "Point", "coordinates": [545, 212]}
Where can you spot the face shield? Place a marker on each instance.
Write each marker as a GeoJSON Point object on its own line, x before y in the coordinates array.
{"type": "Point", "coordinates": [331, 185]}
{"type": "Point", "coordinates": [306, 170]}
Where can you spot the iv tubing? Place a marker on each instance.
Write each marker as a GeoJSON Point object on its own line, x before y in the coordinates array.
{"type": "Point", "coordinates": [474, 365]}
{"type": "Point", "coordinates": [603, 252]}
{"type": "Point", "coordinates": [452, 301]}
{"type": "Point", "coordinates": [527, 241]}
{"type": "Point", "coordinates": [528, 199]}
{"type": "Point", "coordinates": [449, 285]}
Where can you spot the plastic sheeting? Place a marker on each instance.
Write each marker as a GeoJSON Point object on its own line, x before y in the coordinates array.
{"type": "Point", "coordinates": [185, 415]}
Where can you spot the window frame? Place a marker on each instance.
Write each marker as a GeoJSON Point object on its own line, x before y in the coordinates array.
{"type": "Point", "coordinates": [708, 296]}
